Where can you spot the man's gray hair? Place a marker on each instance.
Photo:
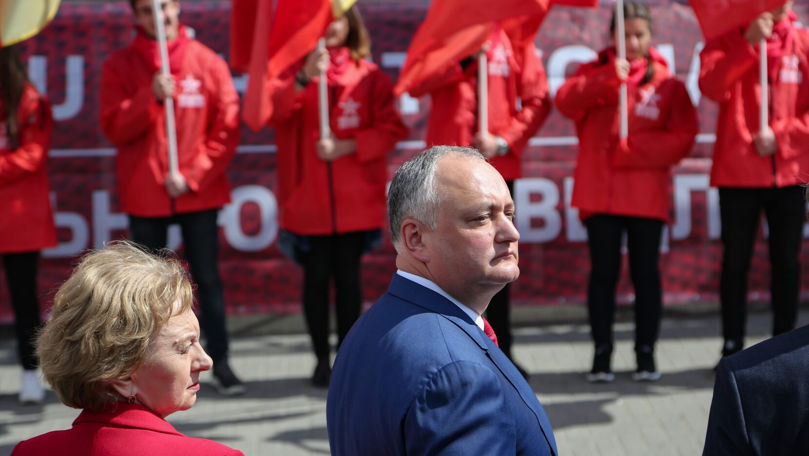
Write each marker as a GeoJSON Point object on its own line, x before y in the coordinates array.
{"type": "Point", "coordinates": [413, 193]}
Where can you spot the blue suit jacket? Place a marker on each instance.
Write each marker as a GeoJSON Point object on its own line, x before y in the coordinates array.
{"type": "Point", "coordinates": [761, 399]}
{"type": "Point", "coordinates": [415, 376]}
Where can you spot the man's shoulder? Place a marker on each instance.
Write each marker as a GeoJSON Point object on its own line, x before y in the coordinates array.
{"type": "Point", "coordinates": [782, 355]}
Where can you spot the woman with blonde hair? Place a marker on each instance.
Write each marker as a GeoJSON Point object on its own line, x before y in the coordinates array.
{"type": "Point", "coordinates": [122, 345]}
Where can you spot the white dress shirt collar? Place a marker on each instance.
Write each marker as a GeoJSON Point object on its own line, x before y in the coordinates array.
{"type": "Point", "coordinates": [429, 284]}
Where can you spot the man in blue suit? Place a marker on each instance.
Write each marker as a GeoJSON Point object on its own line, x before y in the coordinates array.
{"type": "Point", "coordinates": [760, 400]}
{"type": "Point", "coordinates": [417, 374]}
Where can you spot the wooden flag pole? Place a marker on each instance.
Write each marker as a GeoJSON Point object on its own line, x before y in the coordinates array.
{"type": "Point", "coordinates": [765, 104]}
{"type": "Point", "coordinates": [621, 44]}
{"type": "Point", "coordinates": [323, 98]}
{"type": "Point", "coordinates": [483, 92]}
{"type": "Point", "coordinates": [165, 69]}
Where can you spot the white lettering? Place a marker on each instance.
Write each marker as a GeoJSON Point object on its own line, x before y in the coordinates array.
{"type": "Point", "coordinates": [230, 218]}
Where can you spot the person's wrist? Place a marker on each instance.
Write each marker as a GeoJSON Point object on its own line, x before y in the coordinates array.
{"type": "Point", "coordinates": [302, 79]}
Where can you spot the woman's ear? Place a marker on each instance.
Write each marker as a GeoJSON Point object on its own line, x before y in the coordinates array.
{"type": "Point", "coordinates": [125, 387]}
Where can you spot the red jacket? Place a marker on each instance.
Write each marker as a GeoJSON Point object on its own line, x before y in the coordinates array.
{"type": "Point", "coordinates": [729, 75]}
{"type": "Point", "coordinates": [130, 430]}
{"type": "Point", "coordinates": [27, 221]}
{"type": "Point", "coordinates": [206, 108]}
{"type": "Point", "coordinates": [632, 178]}
{"type": "Point", "coordinates": [347, 194]}
{"type": "Point", "coordinates": [513, 75]}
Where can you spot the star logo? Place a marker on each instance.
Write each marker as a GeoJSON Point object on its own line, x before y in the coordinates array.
{"type": "Point", "coordinates": [190, 84]}
{"type": "Point", "coordinates": [349, 107]}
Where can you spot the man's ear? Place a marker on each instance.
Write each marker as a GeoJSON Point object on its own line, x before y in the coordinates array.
{"type": "Point", "coordinates": [413, 239]}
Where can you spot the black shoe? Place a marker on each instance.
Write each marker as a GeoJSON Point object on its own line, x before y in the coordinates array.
{"type": "Point", "coordinates": [730, 347]}
{"type": "Point", "coordinates": [226, 381]}
{"type": "Point", "coordinates": [322, 374]}
{"type": "Point", "coordinates": [601, 371]}
{"type": "Point", "coordinates": [647, 371]}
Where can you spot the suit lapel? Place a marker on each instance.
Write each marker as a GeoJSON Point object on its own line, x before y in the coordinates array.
{"type": "Point", "coordinates": [420, 296]}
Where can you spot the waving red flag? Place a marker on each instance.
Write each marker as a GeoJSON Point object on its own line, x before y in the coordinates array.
{"type": "Point", "coordinates": [268, 42]}
{"type": "Point", "coordinates": [717, 17]}
{"type": "Point", "coordinates": [579, 3]}
{"type": "Point", "coordinates": [455, 29]}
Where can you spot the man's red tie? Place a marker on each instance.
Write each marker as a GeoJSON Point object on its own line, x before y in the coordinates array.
{"type": "Point", "coordinates": [487, 328]}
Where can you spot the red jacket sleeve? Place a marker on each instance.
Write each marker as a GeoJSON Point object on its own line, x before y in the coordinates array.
{"type": "Point", "coordinates": [590, 86]}
{"type": "Point", "coordinates": [35, 125]}
{"type": "Point", "coordinates": [666, 147]}
{"type": "Point", "coordinates": [724, 61]}
{"type": "Point", "coordinates": [222, 137]}
{"type": "Point", "coordinates": [536, 102]}
{"type": "Point", "coordinates": [124, 117]}
{"type": "Point", "coordinates": [387, 127]}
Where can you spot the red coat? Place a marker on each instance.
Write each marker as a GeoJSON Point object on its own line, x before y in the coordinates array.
{"type": "Point", "coordinates": [27, 221]}
{"type": "Point", "coordinates": [348, 194]}
{"type": "Point", "coordinates": [729, 75]}
{"type": "Point", "coordinates": [207, 118]}
{"type": "Point", "coordinates": [631, 179]}
{"type": "Point", "coordinates": [131, 430]}
{"type": "Point", "coordinates": [513, 75]}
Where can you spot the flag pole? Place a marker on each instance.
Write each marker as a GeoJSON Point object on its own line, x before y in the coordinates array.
{"type": "Point", "coordinates": [483, 92]}
{"type": "Point", "coordinates": [619, 15]}
{"type": "Point", "coordinates": [168, 103]}
{"type": "Point", "coordinates": [323, 98]}
{"type": "Point", "coordinates": [765, 104]}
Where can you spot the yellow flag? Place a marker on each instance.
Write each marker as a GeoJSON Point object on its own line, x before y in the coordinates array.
{"type": "Point", "coordinates": [339, 7]}
{"type": "Point", "coordinates": [22, 19]}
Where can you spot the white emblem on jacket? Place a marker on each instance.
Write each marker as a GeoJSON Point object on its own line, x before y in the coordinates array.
{"type": "Point", "coordinates": [790, 70]}
{"type": "Point", "coordinates": [189, 96]}
{"type": "Point", "coordinates": [498, 65]}
{"type": "Point", "coordinates": [647, 105]}
{"type": "Point", "coordinates": [349, 117]}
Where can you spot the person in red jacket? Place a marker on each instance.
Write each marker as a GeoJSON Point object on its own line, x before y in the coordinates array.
{"type": "Point", "coordinates": [207, 120]}
{"type": "Point", "coordinates": [759, 168]}
{"type": "Point", "coordinates": [123, 345]}
{"type": "Point", "coordinates": [331, 190]}
{"type": "Point", "coordinates": [27, 223]}
{"type": "Point", "coordinates": [514, 73]}
{"type": "Point", "coordinates": [622, 185]}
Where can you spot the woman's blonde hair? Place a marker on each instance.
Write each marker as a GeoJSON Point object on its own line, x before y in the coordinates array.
{"type": "Point", "coordinates": [103, 318]}
{"type": "Point", "coordinates": [358, 40]}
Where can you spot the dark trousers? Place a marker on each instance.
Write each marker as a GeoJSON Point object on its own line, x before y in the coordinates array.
{"type": "Point", "coordinates": [499, 311]}
{"type": "Point", "coordinates": [21, 278]}
{"type": "Point", "coordinates": [643, 243]}
{"type": "Point", "coordinates": [330, 256]}
{"type": "Point", "coordinates": [201, 239]}
{"type": "Point", "coordinates": [740, 210]}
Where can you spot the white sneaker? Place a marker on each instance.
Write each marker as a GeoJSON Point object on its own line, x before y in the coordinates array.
{"type": "Point", "coordinates": [31, 391]}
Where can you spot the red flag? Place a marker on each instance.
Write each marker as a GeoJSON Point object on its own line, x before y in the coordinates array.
{"type": "Point", "coordinates": [578, 3]}
{"type": "Point", "coordinates": [455, 29]}
{"type": "Point", "coordinates": [243, 18]}
{"type": "Point", "coordinates": [280, 38]}
{"type": "Point", "coordinates": [717, 17]}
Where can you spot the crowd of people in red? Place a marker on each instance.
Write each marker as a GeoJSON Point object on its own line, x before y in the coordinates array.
{"type": "Point", "coordinates": [332, 190]}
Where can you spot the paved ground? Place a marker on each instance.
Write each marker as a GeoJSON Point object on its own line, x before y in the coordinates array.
{"type": "Point", "coordinates": [282, 415]}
